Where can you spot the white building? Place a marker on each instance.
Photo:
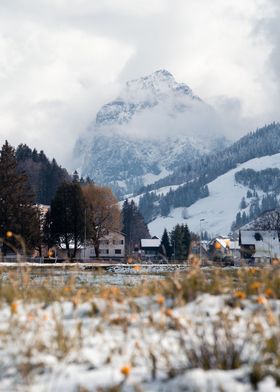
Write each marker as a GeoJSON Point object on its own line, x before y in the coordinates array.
{"type": "Point", "coordinates": [111, 246]}
{"type": "Point", "coordinates": [262, 246]}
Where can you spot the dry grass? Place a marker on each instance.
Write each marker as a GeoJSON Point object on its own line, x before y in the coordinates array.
{"type": "Point", "coordinates": [211, 347]}
{"type": "Point", "coordinates": [182, 287]}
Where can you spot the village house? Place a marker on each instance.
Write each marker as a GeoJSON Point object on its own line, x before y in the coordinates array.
{"type": "Point", "coordinates": [223, 248]}
{"type": "Point", "coordinates": [150, 248]}
{"type": "Point", "coordinates": [259, 246]}
{"type": "Point", "coordinates": [111, 246]}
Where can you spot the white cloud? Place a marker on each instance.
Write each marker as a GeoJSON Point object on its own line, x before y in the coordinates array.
{"type": "Point", "coordinates": [52, 83]}
{"type": "Point", "coordinates": [61, 59]}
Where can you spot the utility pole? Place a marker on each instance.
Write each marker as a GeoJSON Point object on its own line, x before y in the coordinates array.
{"type": "Point", "coordinates": [85, 234]}
{"type": "Point", "coordinates": [200, 242]}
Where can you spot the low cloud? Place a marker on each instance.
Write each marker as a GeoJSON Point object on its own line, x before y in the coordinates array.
{"type": "Point", "coordinates": [199, 121]}
{"type": "Point", "coordinates": [61, 60]}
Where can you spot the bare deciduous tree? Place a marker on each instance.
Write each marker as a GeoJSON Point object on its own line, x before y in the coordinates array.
{"type": "Point", "coordinates": [102, 213]}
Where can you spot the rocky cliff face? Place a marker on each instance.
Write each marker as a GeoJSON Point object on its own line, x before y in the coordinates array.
{"type": "Point", "coordinates": [154, 126]}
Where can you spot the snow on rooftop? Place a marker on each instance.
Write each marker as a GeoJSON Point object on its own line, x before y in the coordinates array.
{"type": "Point", "coordinates": [150, 243]}
{"type": "Point", "coordinates": [225, 242]}
{"type": "Point", "coordinates": [266, 242]}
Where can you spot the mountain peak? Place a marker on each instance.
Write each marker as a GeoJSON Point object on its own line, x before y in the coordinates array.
{"type": "Point", "coordinates": [156, 83]}
{"type": "Point", "coordinates": [154, 125]}
{"type": "Point", "coordinates": [161, 74]}
{"type": "Point", "coordinates": [146, 92]}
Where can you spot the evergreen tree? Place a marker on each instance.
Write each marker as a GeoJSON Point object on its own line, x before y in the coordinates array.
{"type": "Point", "coordinates": [76, 176]}
{"type": "Point", "coordinates": [88, 180]}
{"type": "Point", "coordinates": [66, 221]}
{"type": "Point", "coordinates": [238, 219]}
{"type": "Point", "coordinates": [249, 194]}
{"type": "Point", "coordinates": [23, 153]}
{"type": "Point", "coordinates": [18, 215]}
{"type": "Point", "coordinates": [134, 226]}
{"type": "Point", "coordinates": [187, 239]}
{"type": "Point", "coordinates": [49, 237]}
{"type": "Point", "coordinates": [165, 245]}
{"type": "Point", "coordinates": [181, 240]}
{"type": "Point", "coordinates": [243, 204]}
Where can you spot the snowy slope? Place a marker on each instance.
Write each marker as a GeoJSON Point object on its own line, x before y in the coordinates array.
{"type": "Point", "coordinates": [220, 208]}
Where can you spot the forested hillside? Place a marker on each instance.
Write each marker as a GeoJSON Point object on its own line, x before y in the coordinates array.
{"type": "Point", "coordinates": [196, 175]}
{"type": "Point", "coordinates": [268, 182]}
{"type": "Point", "coordinates": [44, 176]}
{"type": "Point", "coordinates": [262, 142]}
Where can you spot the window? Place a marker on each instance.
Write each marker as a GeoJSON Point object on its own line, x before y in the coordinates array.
{"type": "Point", "coordinates": [118, 251]}
{"type": "Point", "coordinates": [104, 251]}
{"type": "Point", "coordinates": [258, 237]}
{"type": "Point", "coordinates": [117, 242]}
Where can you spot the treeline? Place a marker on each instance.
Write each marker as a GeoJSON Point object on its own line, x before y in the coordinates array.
{"type": "Point", "coordinates": [267, 180]}
{"type": "Point", "coordinates": [253, 208]}
{"type": "Point", "coordinates": [269, 220]}
{"type": "Point", "coordinates": [44, 176]}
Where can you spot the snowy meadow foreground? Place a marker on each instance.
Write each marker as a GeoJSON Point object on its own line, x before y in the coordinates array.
{"type": "Point", "coordinates": [135, 329]}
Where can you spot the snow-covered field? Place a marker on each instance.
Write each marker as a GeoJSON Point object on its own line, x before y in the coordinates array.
{"type": "Point", "coordinates": [220, 208]}
{"type": "Point", "coordinates": [185, 339]}
{"type": "Point", "coordinates": [94, 345]}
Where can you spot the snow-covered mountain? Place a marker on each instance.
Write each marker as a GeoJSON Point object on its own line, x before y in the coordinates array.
{"type": "Point", "coordinates": [146, 93]}
{"type": "Point", "coordinates": [215, 213]}
{"type": "Point", "coordinates": [154, 126]}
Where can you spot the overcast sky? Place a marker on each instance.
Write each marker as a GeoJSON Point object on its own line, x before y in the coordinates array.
{"type": "Point", "coordinates": [60, 60]}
